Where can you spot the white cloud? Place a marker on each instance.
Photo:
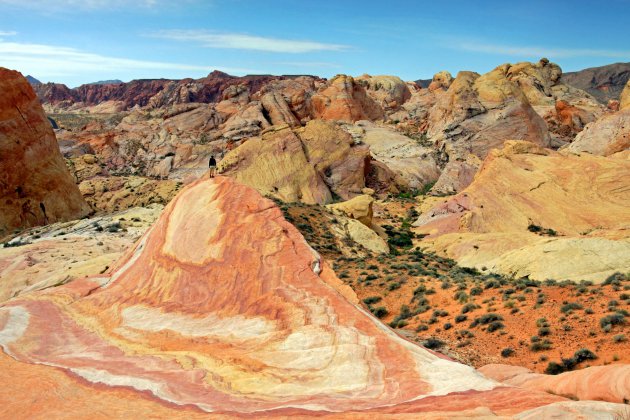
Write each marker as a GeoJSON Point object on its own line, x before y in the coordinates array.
{"type": "Point", "coordinates": [8, 33]}
{"type": "Point", "coordinates": [50, 62]}
{"type": "Point", "coordinates": [246, 42]}
{"type": "Point", "coordinates": [532, 51]}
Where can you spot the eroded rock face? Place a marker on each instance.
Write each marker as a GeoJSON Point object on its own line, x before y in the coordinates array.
{"type": "Point", "coordinates": [308, 165]}
{"type": "Point", "coordinates": [389, 91]}
{"type": "Point", "coordinates": [608, 135]}
{"type": "Point", "coordinates": [598, 383]}
{"type": "Point", "coordinates": [223, 307]}
{"type": "Point", "coordinates": [35, 186]}
{"type": "Point", "coordinates": [343, 99]}
{"type": "Point", "coordinates": [624, 100]}
{"type": "Point", "coordinates": [575, 205]}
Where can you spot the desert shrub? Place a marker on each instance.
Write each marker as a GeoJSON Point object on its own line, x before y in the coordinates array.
{"type": "Point", "coordinates": [584, 354]}
{"type": "Point", "coordinates": [440, 313]}
{"type": "Point", "coordinates": [448, 326]}
{"type": "Point", "coordinates": [380, 312]}
{"type": "Point", "coordinates": [398, 323]}
{"type": "Point", "coordinates": [542, 322]}
{"type": "Point", "coordinates": [570, 307]}
{"type": "Point", "coordinates": [486, 319]}
{"type": "Point", "coordinates": [612, 319]}
{"type": "Point", "coordinates": [539, 345]}
{"type": "Point", "coordinates": [372, 299]}
{"type": "Point", "coordinates": [495, 325]}
{"type": "Point", "coordinates": [507, 352]}
{"type": "Point", "coordinates": [544, 331]}
{"type": "Point", "coordinates": [393, 286]}
{"type": "Point", "coordinates": [433, 343]}
{"type": "Point", "coordinates": [619, 338]}
{"type": "Point", "coordinates": [461, 296]}
{"type": "Point", "coordinates": [554, 368]}
{"type": "Point", "coordinates": [460, 318]}
{"type": "Point", "coordinates": [469, 307]}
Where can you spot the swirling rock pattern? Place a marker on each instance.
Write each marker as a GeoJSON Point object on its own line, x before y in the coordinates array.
{"type": "Point", "coordinates": [223, 308]}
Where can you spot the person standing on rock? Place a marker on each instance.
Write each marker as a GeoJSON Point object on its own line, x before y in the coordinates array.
{"type": "Point", "coordinates": [212, 165]}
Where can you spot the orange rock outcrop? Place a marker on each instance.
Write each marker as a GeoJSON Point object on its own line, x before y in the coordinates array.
{"type": "Point", "coordinates": [35, 185]}
{"type": "Point", "coordinates": [223, 308]}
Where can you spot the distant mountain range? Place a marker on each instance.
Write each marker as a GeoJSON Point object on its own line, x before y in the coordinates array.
{"type": "Point", "coordinates": [106, 82]}
{"type": "Point", "coordinates": [33, 81]}
{"type": "Point", "coordinates": [604, 83]}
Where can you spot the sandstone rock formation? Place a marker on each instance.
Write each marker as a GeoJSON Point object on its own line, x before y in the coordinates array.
{"type": "Point", "coordinates": [35, 186]}
{"type": "Point", "coordinates": [624, 99]}
{"type": "Point", "coordinates": [577, 203]}
{"type": "Point", "coordinates": [354, 222]}
{"type": "Point", "coordinates": [608, 135]}
{"type": "Point", "coordinates": [390, 92]}
{"type": "Point", "coordinates": [307, 165]}
{"type": "Point", "coordinates": [56, 254]}
{"type": "Point", "coordinates": [414, 163]}
{"type": "Point", "coordinates": [441, 80]}
{"type": "Point", "coordinates": [358, 208]}
{"type": "Point", "coordinates": [600, 383]}
{"type": "Point", "coordinates": [222, 307]}
{"type": "Point", "coordinates": [344, 99]}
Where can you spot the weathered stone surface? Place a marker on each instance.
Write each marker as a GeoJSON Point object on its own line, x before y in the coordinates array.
{"type": "Point", "coordinates": [411, 161]}
{"type": "Point", "coordinates": [441, 80]}
{"type": "Point", "coordinates": [35, 185]}
{"type": "Point", "coordinates": [345, 100]}
{"type": "Point", "coordinates": [107, 194]}
{"type": "Point", "coordinates": [608, 135]}
{"type": "Point", "coordinates": [278, 110]}
{"type": "Point", "coordinates": [222, 307]}
{"type": "Point", "coordinates": [624, 99]}
{"type": "Point", "coordinates": [305, 165]}
{"type": "Point", "coordinates": [598, 383]}
{"type": "Point", "coordinates": [389, 91]}
{"type": "Point", "coordinates": [358, 208]}
{"type": "Point", "coordinates": [56, 254]}
{"type": "Point", "coordinates": [275, 164]}
{"type": "Point", "coordinates": [582, 199]}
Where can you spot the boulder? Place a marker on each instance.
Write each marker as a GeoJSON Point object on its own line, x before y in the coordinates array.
{"type": "Point", "coordinates": [344, 99]}
{"type": "Point", "coordinates": [358, 208]}
{"type": "Point", "coordinates": [608, 135]}
{"type": "Point", "coordinates": [36, 188]}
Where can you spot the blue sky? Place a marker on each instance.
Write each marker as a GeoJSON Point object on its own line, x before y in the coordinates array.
{"type": "Point", "coordinates": [80, 41]}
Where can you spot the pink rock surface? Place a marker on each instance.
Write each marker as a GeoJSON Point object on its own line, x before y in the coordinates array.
{"type": "Point", "coordinates": [222, 307]}
{"type": "Point", "coordinates": [600, 383]}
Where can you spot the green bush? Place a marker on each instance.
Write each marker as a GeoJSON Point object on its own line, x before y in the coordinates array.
{"type": "Point", "coordinates": [612, 319]}
{"type": "Point", "coordinates": [507, 352]}
{"type": "Point", "coordinates": [460, 318]}
{"type": "Point", "coordinates": [433, 343]}
{"type": "Point", "coordinates": [495, 325]}
{"type": "Point", "coordinates": [372, 299]}
{"type": "Point", "coordinates": [380, 312]}
{"type": "Point", "coordinates": [570, 307]}
{"type": "Point", "coordinates": [584, 354]}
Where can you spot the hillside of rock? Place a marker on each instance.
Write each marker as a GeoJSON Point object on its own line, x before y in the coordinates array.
{"type": "Point", "coordinates": [266, 326]}
{"type": "Point", "coordinates": [605, 82]}
{"type": "Point", "coordinates": [568, 211]}
{"type": "Point", "coordinates": [35, 186]}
